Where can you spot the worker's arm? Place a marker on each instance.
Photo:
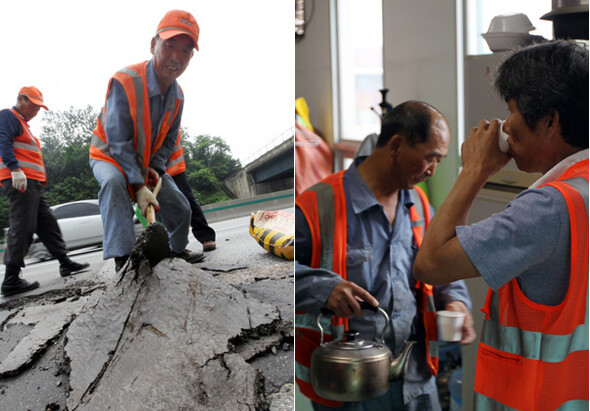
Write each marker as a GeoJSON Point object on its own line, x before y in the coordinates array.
{"type": "Point", "coordinates": [161, 157]}
{"type": "Point", "coordinates": [441, 258]}
{"type": "Point", "coordinates": [119, 133]}
{"type": "Point", "coordinates": [9, 129]}
{"type": "Point", "coordinates": [317, 288]}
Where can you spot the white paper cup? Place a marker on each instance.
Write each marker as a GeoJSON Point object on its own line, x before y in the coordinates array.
{"type": "Point", "coordinates": [449, 325]}
{"type": "Point", "coordinates": [502, 139]}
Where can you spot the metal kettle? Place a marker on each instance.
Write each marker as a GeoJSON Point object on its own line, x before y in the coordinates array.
{"type": "Point", "coordinates": [354, 369]}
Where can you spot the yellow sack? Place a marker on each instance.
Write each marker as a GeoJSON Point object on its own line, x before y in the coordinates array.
{"type": "Point", "coordinates": [275, 232]}
{"type": "Point", "coordinates": [302, 113]}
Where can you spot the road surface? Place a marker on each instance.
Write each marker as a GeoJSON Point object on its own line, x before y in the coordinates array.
{"type": "Point", "coordinates": [235, 247]}
{"type": "Point", "coordinates": [43, 381]}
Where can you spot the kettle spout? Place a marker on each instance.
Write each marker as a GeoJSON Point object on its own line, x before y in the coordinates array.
{"type": "Point", "coordinates": [398, 366]}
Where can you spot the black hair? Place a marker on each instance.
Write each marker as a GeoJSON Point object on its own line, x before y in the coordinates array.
{"type": "Point", "coordinates": [546, 78]}
{"type": "Point", "coordinates": [412, 119]}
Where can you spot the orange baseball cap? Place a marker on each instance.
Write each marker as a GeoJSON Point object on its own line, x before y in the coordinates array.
{"type": "Point", "coordinates": [177, 22]}
{"type": "Point", "coordinates": [33, 94]}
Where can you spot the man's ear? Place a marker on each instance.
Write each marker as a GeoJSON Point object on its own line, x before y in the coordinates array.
{"type": "Point", "coordinates": [153, 45]}
{"type": "Point", "coordinates": [395, 142]}
{"type": "Point", "coordinates": [550, 123]}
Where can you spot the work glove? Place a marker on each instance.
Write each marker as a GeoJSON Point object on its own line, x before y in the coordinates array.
{"type": "Point", "coordinates": [145, 197]}
{"type": "Point", "coordinates": [19, 180]}
{"type": "Point", "coordinates": [152, 178]}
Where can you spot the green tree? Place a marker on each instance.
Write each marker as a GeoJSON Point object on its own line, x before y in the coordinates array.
{"type": "Point", "coordinates": [208, 163]}
{"type": "Point", "coordinates": [65, 139]}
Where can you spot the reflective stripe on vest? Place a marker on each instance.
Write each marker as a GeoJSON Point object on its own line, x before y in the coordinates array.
{"type": "Point", "coordinates": [326, 253]}
{"type": "Point", "coordinates": [327, 225]}
{"type": "Point", "coordinates": [133, 79]}
{"type": "Point", "coordinates": [532, 356]}
{"type": "Point", "coordinates": [176, 164]}
{"type": "Point", "coordinates": [27, 151]}
{"type": "Point", "coordinates": [420, 218]}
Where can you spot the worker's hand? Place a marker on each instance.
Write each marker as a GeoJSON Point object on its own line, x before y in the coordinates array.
{"type": "Point", "coordinates": [144, 197]}
{"type": "Point", "coordinates": [345, 297]}
{"type": "Point", "coordinates": [468, 332]}
{"type": "Point", "coordinates": [19, 180]}
{"type": "Point", "coordinates": [481, 153]}
{"type": "Point", "coordinates": [152, 178]}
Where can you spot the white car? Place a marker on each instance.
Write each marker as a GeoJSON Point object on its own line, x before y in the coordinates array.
{"type": "Point", "coordinates": [80, 224]}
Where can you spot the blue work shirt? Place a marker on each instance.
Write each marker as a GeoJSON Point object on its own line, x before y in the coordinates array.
{"type": "Point", "coordinates": [119, 125]}
{"type": "Point", "coordinates": [10, 128]}
{"type": "Point", "coordinates": [379, 259]}
{"type": "Point", "coordinates": [529, 241]}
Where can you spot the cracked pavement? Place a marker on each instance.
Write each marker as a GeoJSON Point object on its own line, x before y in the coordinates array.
{"type": "Point", "coordinates": [217, 334]}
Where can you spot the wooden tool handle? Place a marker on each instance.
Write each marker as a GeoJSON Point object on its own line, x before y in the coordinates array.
{"type": "Point", "coordinates": [157, 187]}
{"type": "Point", "coordinates": [151, 210]}
{"type": "Point", "coordinates": [150, 214]}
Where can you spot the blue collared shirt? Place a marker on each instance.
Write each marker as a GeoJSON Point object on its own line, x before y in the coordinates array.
{"type": "Point", "coordinates": [379, 259]}
{"type": "Point", "coordinates": [119, 126]}
{"type": "Point", "coordinates": [10, 128]}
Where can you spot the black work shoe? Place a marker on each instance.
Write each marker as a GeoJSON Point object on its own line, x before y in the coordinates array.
{"type": "Point", "coordinates": [190, 256]}
{"type": "Point", "coordinates": [71, 267]}
{"type": "Point", "coordinates": [18, 287]}
{"type": "Point", "coordinates": [209, 245]}
{"type": "Point", "coordinates": [120, 262]}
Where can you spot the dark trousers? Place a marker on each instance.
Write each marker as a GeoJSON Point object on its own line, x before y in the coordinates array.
{"type": "Point", "coordinates": [29, 214]}
{"type": "Point", "coordinates": [199, 226]}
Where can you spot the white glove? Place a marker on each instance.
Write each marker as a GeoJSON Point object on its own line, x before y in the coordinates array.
{"type": "Point", "coordinates": [19, 180]}
{"type": "Point", "coordinates": [145, 197]}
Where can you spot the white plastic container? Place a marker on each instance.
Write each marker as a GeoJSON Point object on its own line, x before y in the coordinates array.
{"type": "Point", "coordinates": [510, 23]}
{"type": "Point", "coordinates": [449, 325]}
{"type": "Point", "coordinates": [502, 139]}
{"type": "Point", "coordinates": [508, 31]}
{"type": "Point", "coordinates": [507, 41]}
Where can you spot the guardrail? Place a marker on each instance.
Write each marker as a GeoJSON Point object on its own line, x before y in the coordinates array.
{"type": "Point", "coordinates": [245, 206]}
{"type": "Point", "coordinates": [285, 135]}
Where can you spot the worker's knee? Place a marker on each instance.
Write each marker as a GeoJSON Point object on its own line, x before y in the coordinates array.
{"type": "Point", "coordinates": [111, 180]}
{"type": "Point", "coordinates": [115, 183]}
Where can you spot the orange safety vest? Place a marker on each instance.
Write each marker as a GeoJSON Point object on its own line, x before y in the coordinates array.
{"type": "Point", "coordinates": [27, 151]}
{"type": "Point", "coordinates": [176, 163]}
{"type": "Point", "coordinates": [533, 356]}
{"type": "Point", "coordinates": [134, 81]}
{"type": "Point", "coordinates": [324, 207]}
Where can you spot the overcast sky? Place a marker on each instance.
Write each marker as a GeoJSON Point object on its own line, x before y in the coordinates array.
{"type": "Point", "coordinates": [239, 86]}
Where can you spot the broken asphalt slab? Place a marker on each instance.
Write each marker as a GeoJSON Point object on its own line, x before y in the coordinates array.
{"type": "Point", "coordinates": [46, 324]}
{"type": "Point", "coordinates": [151, 338]}
{"type": "Point", "coordinates": [170, 337]}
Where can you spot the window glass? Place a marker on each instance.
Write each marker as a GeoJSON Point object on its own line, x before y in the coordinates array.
{"type": "Point", "coordinates": [76, 210]}
{"type": "Point", "coordinates": [479, 14]}
{"type": "Point", "coordinates": [360, 66]}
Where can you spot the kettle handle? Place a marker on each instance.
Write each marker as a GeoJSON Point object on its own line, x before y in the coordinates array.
{"type": "Point", "coordinates": [364, 306]}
